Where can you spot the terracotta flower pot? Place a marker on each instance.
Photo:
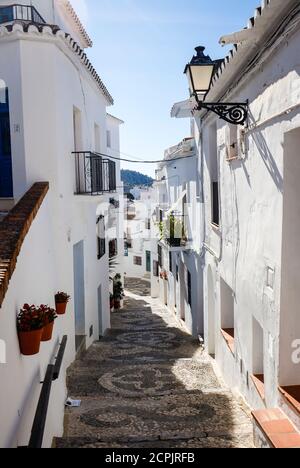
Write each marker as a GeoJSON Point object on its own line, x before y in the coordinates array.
{"type": "Point", "coordinates": [117, 304]}
{"type": "Point", "coordinates": [30, 342]}
{"type": "Point", "coordinates": [61, 308]}
{"type": "Point", "coordinates": [47, 332]}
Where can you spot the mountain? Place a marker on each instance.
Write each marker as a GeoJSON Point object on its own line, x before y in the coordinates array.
{"type": "Point", "coordinates": [133, 178]}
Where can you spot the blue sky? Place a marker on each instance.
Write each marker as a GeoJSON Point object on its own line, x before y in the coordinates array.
{"type": "Point", "coordinates": [140, 50]}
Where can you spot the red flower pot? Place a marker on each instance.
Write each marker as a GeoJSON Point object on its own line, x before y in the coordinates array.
{"type": "Point", "coordinates": [30, 342]}
{"type": "Point", "coordinates": [47, 332]}
{"type": "Point", "coordinates": [61, 308]}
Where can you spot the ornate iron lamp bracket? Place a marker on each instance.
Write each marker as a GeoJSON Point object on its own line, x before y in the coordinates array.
{"type": "Point", "coordinates": [234, 113]}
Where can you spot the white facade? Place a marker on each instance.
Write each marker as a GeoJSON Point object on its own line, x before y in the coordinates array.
{"type": "Point", "coordinates": [251, 276]}
{"type": "Point", "coordinates": [57, 104]}
{"type": "Point", "coordinates": [180, 282]}
{"type": "Point", "coordinates": [138, 259]}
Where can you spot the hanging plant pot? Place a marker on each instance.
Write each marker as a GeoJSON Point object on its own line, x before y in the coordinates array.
{"type": "Point", "coordinates": [30, 342]}
{"type": "Point", "coordinates": [48, 332]}
{"type": "Point", "coordinates": [61, 301]}
{"type": "Point", "coordinates": [61, 308]}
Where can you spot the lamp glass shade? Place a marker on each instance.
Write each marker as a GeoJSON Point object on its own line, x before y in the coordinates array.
{"type": "Point", "coordinates": [200, 77]}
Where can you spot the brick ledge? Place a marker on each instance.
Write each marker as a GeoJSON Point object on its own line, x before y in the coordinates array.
{"type": "Point", "coordinates": [13, 230]}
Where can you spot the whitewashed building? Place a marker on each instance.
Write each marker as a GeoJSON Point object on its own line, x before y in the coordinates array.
{"type": "Point", "coordinates": [179, 238]}
{"type": "Point", "coordinates": [250, 194]}
{"type": "Point", "coordinates": [138, 254]}
{"type": "Point", "coordinates": [57, 182]}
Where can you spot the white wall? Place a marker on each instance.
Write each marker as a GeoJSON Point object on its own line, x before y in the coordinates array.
{"type": "Point", "coordinates": [35, 281]}
{"type": "Point", "coordinates": [174, 179]}
{"type": "Point", "coordinates": [46, 81]}
{"type": "Point", "coordinates": [249, 242]}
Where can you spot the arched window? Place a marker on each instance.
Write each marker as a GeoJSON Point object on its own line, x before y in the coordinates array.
{"type": "Point", "coordinates": [6, 182]}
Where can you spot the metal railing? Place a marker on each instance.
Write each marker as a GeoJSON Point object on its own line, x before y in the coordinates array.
{"type": "Point", "coordinates": [52, 374]}
{"type": "Point", "coordinates": [174, 230]}
{"type": "Point", "coordinates": [94, 174]}
{"type": "Point", "coordinates": [17, 12]}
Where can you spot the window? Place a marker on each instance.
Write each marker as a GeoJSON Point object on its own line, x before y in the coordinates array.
{"type": "Point", "coordinates": [170, 262]}
{"type": "Point", "coordinates": [108, 139]}
{"type": "Point", "coordinates": [161, 216]}
{"type": "Point", "coordinates": [177, 273]}
{"type": "Point", "coordinates": [215, 204]}
{"type": "Point", "coordinates": [214, 175]}
{"type": "Point", "coordinates": [160, 256]}
{"type": "Point", "coordinates": [137, 261]}
{"type": "Point", "coordinates": [148, 261]}
{"type": "Point", "coordinates": [189, 288]}
{"type": "Point", "coordinates": [6, 172]}
{"type": "Point", "coordinates": [258, 377]}
{"type": "Point", "coordinates": [148, 224]}
{"type": "Point", "coordinates": [101, 243]}
{"type": "Point", "coordinates": [227, 315]}
{"type": "Point", "coordinates": [113, 248]}
{"type": "Point", "coordinates": [126, 253]}
{"type": "Point", "coordinates": [155, 269]}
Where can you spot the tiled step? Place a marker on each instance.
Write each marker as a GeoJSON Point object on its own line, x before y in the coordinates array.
{"type": "Point", "coordinates": [273, 429]}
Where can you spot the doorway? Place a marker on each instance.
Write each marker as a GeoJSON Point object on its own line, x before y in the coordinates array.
{"type": "Point", "coordinates": [79, 295]}
{"type": "Point", "coordinates": [6, 179]}
{"type": "Point", "coordinates": [148, 261]}
{"type": "Point", "coordinates": [211, 319]}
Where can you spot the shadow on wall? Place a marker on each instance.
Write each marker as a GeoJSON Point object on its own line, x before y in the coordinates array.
{"type": "Point", "coordinates": [264, 151]}
{"type": "Point", "coordinates": [148, 391]}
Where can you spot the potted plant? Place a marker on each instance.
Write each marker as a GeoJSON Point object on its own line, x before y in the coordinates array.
{"type": "Point", "coordinates": [175, 231]}
{"type": "Point", "coordinates": [30, 327]}
{"type": "Point", "coordinates": [49, 319]}
{"type": "Point", "coordinates": [118, 292]}
{"type": "Point", "coordinates": [61, 301]}
{"type": "Point", "coordinates": [164, 275]}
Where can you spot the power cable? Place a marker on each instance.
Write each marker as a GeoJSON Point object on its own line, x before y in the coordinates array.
{"type": "Point", "coordinates": [166, 161]}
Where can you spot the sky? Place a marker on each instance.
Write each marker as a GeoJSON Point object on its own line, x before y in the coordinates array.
{"type": "Point", "coordinates": [140, 50]}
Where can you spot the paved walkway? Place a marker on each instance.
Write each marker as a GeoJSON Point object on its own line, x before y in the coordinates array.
{"type": "Point", "coordinates": [148, 384]}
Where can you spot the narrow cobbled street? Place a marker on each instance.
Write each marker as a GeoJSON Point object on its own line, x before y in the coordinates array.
{"type": "Point", "coordinates": [148, 384]}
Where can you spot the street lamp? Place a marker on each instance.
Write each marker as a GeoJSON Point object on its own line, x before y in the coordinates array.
{"type": "Point", "coordinates": [200, 72]}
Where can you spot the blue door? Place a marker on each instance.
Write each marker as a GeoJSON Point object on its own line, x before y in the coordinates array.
{"type": "Point", "coordinates": [6, 182]}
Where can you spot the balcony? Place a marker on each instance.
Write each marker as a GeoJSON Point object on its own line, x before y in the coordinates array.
{"type": "Point", "coordinates": [18, 12]}
{"type": "Point", "coordinates": [94, 175]}
{"type": "Point", "coordinates": [173, 231]}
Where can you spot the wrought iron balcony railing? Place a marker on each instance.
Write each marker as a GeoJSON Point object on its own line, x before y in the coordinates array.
{"type": "Point", "coordinates": [173, 230]}
{"type": "Point", "coordinates": [94, 175]}
{"type": "Point", "coordinates": [18, 12]}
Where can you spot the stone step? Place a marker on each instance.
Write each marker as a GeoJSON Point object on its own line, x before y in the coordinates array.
{"type": "Point", "coordinates": [229, 442]}
{"type": "Point", "coordinates": [171, 417]}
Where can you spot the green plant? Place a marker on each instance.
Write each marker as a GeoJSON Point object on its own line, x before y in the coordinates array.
{"type": "Point", "coordinates": [49, 314]}
{"type": "Point", "coordinates": [61, 298]}
{"type": "Point", "coordinates": [118, 288]}
{"type": "Point", "coordinates": [174, 228]}
{"type": "Point", "coordinates": [30, 318]}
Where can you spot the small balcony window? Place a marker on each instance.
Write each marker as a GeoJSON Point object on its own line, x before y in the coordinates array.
{"type": "Point", "coordinates": [94, 175]}
{"type": "Point", "coordinates": [20, 13]}
{"type": "Point", "coordinates": [137, 261]}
